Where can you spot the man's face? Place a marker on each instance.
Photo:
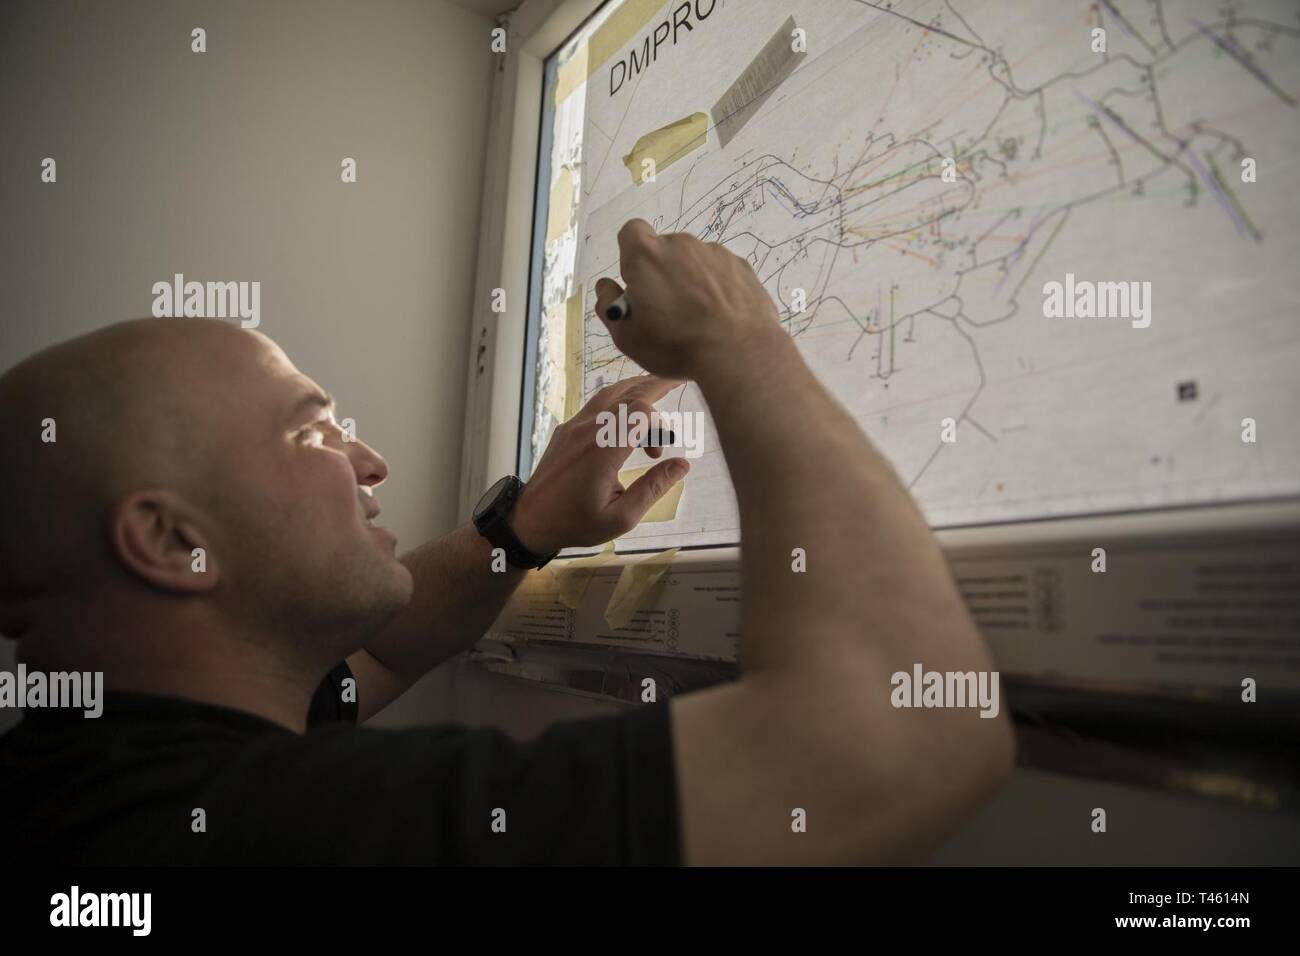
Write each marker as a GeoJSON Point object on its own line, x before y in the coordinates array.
{"type": "Point", "coordinates": [298, 544]}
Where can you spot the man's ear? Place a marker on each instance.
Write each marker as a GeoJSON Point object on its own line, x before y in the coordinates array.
{"type": "Point", "coordinates": [159, 537]}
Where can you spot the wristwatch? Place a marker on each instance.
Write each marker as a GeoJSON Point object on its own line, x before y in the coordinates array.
{"type": "Point", "coordinates": [490, 516]}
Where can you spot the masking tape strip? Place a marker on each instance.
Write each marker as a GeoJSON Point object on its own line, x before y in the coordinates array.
{"type": "Point", "coordinates": [635, 585]}
{"type": "Point", "coordinates": [559, 209]}
{"type": "Point", "coordinates": [667, 144]}
{"type": "Point", "coordinates": [665, 509]}
{"type": "Point", "coordinates": [552, 379]}
{"type": "Point", "coordinates": [572, 577]}
{"type": "Point", "coordinates": [624, 24]}
{"type": "Point", "coordinates": [573, 354]}
{"type": "Point", "coordinates": [759, 80]}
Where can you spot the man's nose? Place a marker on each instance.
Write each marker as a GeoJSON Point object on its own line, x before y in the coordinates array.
{"type": "Point", "coordinates": [371, 468]}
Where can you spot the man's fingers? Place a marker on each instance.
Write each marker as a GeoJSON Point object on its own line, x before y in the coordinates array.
{"type": "Point", "coordinates": [652, 436]}
{"type": "Point", "coordinates": [649, 388]}
{"type": "Point", "coordinates": [609, 396]}
{"type": "Point", "coordinates": [630, 507]}
{"type": "Point", "coordinates": [635, 239]}
{"type": "Point", "coordinates": [607, 290]}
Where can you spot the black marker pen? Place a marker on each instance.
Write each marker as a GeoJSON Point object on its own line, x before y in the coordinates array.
{"type": "Point", "coordinates": [618, 309]}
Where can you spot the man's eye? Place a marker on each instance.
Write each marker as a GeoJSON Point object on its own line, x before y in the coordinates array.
{"type": "Point", "coordinates": [311, 435]}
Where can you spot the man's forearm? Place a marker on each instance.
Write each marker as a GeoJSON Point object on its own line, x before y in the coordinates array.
{"type": "Point", "coordinates": [806, 477]}
{"type": "Point", "coordinates": [810, 723]}
{"type": "Point", "coordinates": [457, 597]}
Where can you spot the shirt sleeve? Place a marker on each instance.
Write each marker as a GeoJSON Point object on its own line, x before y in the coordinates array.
{"type": "Point", "coordinates": [590, 792]}
{"type": "Point", "coordinates": [328, 703]}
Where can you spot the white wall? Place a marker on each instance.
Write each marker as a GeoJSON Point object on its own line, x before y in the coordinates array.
{"type": "Point", "coordinates": [225, 165]}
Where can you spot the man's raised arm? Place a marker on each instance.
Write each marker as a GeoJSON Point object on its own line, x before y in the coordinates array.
{"type": "Point", "coordinates": [808, 732]}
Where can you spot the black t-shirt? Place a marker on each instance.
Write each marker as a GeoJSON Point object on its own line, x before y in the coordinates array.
{"type": "Point", "coordinates": [124, 788]}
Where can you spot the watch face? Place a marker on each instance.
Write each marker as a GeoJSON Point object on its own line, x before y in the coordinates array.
{"type": "Point", "coordinates": [485, 504]}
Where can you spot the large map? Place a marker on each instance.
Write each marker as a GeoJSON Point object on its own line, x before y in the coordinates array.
{"type": "Point", "coordinates": [907, 179]}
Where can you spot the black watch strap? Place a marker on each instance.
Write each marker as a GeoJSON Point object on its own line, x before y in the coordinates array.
{"type": "Point", "coordinates": [491, 517]}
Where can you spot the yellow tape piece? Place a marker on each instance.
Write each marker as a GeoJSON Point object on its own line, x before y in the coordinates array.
{"type": "Point", "coordinates": [635, 585]}
{"type": "Point", "coordinates": [624, 24]}
{"type": "Point", "coordinates": [667, 144]}
{"type": "Point", "coordinates": [572, 577]}
{"type": "Point", "coordinates": [573, 354]}
{"type": "Point", "coordinates": [559, 210]}
{"type": "Point", "coordinates": [665, 509]}
{"type": "Point", "coordinates": [571, 75]}
{"type": "Point", "coordinates": [552, 385]}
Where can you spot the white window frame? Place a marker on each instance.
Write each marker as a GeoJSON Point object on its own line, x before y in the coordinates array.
{"type": "Point", "coordinates": [495, 385]}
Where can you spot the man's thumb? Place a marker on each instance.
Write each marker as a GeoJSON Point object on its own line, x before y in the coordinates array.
{"type": "Point", "coordinates": [649, 488]}
{"type": "Point", "coordinates": [607, 290]}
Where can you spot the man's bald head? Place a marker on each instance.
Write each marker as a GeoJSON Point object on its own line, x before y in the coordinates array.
{"type": "Point", "coordinates": [124, 406]}
{"type": "Point", "coordinates": [193, 408]}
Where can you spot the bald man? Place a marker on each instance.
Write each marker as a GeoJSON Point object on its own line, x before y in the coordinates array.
{"type": "Point", "coordinates": [202, 532]}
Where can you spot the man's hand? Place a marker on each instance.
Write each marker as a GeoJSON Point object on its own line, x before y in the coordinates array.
{"type": "Point", "coordinates": [574, 497]}
{"type": "Point", "coordinates": [693, 303]}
